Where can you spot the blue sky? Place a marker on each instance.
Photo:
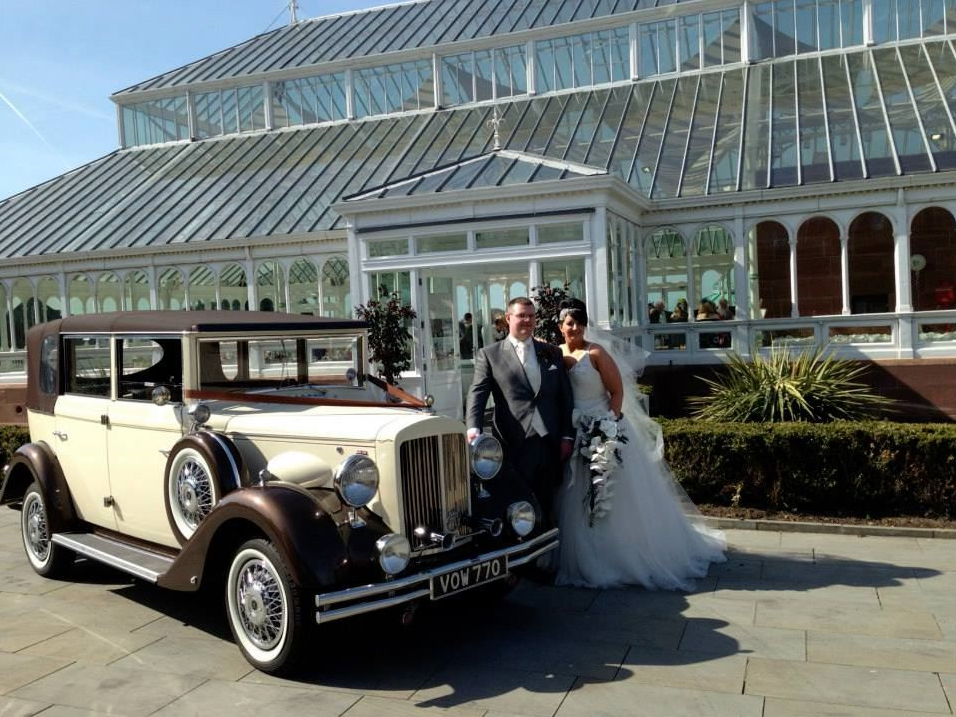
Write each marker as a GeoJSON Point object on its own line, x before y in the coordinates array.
{"type": "Point", "coordinates": [61, 59]}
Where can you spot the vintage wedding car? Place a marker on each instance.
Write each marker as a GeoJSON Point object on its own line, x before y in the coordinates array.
{"type": "Point", "coordinates": [251, 451]}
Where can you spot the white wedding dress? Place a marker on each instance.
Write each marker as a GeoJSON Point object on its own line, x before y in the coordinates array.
{"type": "Point", "coordinates": [650, 536]}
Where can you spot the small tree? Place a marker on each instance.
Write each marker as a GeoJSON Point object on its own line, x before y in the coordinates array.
{"type": "Point", "coordinates": [547, 306]}
{"type": "Point", "coordinates": [388, 335]}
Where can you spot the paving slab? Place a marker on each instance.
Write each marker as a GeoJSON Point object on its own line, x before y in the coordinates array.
{"type": "Point", "coordinates": [842, 617]}
{"type": "Point", "coordinates": [379, 706]}
{"type": "Point", "coordinates": [227, 699]}
{"type": "Point", "coordinates": [535, 694]}
{"type": "Point", "coordinates": [19, 670]}
{"type": "Point", "coordinates": [211, 659]}
{"type": "Point", "coordinates": [705, 671]}
{"type": "Point", "coordinates": [864, 651]}
{"type": "Point", "coordinates": [12, 707]}
{"type": "Point", "coordinates": [640, 700]}
{"type": "Point", "coordinates": [108, 689]}
{"type": "Point", "coordinates": [750, 639]}
{"type": "Point", "coordinates": [839, 684]}
{"type": "Point", "coordinates": [90, 646]}
{"type": "Point", "coordinates": [774, 707]}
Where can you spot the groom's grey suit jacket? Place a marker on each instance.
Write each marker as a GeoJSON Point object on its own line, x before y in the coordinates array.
{"type": "Point", "coordinates": [498, 372]}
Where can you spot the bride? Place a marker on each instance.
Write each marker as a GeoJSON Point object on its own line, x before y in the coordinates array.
{"type": "Point", "coordinates": [624, 520]}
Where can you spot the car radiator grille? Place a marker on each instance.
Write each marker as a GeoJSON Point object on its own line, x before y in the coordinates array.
{"type": "Point", "coordinates": [434, 475]}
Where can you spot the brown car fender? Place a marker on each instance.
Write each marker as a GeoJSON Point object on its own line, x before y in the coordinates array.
{"type": "Point", "coordinates": [37, 462]}
{"type": "Point", "coordinates": [288, 516]}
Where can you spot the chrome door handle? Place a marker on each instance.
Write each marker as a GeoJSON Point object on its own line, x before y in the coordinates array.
{"type": "Point", "coordinates": [60, 434]}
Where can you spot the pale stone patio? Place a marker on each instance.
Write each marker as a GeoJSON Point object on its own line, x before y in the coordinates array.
{"type": "Point", "coordinates": [794, 624]}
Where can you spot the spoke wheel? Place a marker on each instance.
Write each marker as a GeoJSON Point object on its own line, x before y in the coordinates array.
{"type": "Point", "coordinates": [45, 557]}
{"type": "Point", "coordinates": [265, 607]}
{"type": "Point", "coordinates": [192, 490]}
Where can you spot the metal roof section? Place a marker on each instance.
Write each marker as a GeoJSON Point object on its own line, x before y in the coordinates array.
{"type": "Point", "coordinates": [498, 168]}
{"type": "Point", "coordinates": [878, 112]}
{"type": "Point", "coordinates": [384, 29]}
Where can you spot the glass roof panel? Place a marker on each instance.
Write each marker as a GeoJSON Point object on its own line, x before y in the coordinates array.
{"type": "Point", "coordinates": [567, 124]}
{"type": "Point", "coordinates": [493, 172]}
{"type": "Point", "coordinates": [546, 126]}
{"type": "Point", "coordinates": [877, 144]}
{"type": "Point", "coordinates": [625, 148]}
{"type": "Point", "coordinates": [437, 132]}
{"type": "Point", "coordinates": [783, 127]}
{"type": "Point", "coordinates": [484, 11]}
{"type": "Point", "coordinates": [671, 161]}
{"type": "Point", "coordinates": [594, 8]}
{"type": "Point", "coordinates": [475, 123]}
{"type": "Point", "coordinates": [844, 139]}
{"type": "Point", "coordinates": [907, 133]}
{"type": "Point", "coordinates": [648, 150]}
{"type": "Point", "coordinates": [757, 129]}
{"type": "Point", "coordinates": [519, 173]}
{"type": "Point", "coordinates": [546, 173]}
{"type": "Point", "coordinates": [725, 164]}
{"type": "Point", "coordinates": [455, 21]}
{"type": "Point", "coordinates": [607, 129]}
{"type": "Point", "coordinates": [814, 147]}
{"type": "Point", "coordinates": [587, 127]}
{"type": "Point", "coordinates": [933, 112]}
{"type": "Point", "coordinates": [944, 63]}
{"type": "Point", "coordinates": [699, 147]}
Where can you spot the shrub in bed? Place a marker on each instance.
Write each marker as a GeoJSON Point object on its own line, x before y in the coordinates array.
{"type": "Point", "coordinates": [868, 468]}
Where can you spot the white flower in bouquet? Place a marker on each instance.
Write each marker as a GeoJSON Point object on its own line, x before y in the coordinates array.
{"type": "Point", "coordinates": [600, 439]}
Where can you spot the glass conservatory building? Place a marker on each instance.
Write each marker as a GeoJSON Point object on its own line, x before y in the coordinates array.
{"type": "Point", "coordinates": [709, 176]}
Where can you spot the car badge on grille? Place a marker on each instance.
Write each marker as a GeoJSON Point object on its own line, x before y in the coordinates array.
{"type": "Point", "coordinates": [453, 520]}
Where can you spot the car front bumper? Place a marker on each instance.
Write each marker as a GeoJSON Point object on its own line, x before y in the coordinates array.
{"type": "Point", "coordinates": [378, 596]}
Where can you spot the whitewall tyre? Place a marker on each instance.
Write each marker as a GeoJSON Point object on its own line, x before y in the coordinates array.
{"type": "Point", "coordinates": [192, 490]}
{"type": "Point", "coordinates": [264, 607]}
{"type": "Point", "coordinates": [46, 558]}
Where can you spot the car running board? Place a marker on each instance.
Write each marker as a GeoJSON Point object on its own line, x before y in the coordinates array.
{"type": "Point", "coordinates": [122, 556]}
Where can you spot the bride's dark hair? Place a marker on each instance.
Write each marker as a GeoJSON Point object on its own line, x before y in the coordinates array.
{"type": "Point", "coordinates": [575, 308]}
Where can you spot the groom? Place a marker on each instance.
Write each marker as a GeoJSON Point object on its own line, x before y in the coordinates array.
{"type": "Point", "coordinates": [533, 403]}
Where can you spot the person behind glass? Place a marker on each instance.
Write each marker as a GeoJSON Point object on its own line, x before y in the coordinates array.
{"type": "Point", "coordinates": [680, 311]}
{"type": "Point", "coordinates": [533, 403]}
{"type": "Point", "coordinates": [706, 311]}
{"type": "Point", "coordinates": [466, 341]}
{"type": "Point", "coordinates": [724, 310]}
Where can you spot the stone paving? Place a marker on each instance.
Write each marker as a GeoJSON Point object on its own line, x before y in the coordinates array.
{"type": "Point", "coordinates": [793, 625]}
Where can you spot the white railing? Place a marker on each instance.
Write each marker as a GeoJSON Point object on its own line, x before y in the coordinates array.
{"type": "Point", "coordinates": [927, 334]}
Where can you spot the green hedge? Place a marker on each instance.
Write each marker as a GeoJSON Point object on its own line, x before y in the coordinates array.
{"type": "Point", "coordinates": [872, 469]}
{"type": "Point", "coordinates": [11, 438]}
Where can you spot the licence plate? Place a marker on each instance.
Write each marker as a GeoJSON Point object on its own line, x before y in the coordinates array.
{"type": "Point", "coordinates": [468, 577]}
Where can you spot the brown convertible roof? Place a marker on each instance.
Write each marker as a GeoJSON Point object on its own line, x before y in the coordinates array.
{"type": "Point", "coordinates": [192, 321]}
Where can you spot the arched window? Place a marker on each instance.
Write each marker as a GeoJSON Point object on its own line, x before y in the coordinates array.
{"type": "Point", "coordinates": [172, 290]}
{"type": "Point", "coordinates": [665, 261]}
{"type": "Point", "coordinates": [270, 287]}
{"type": "Point", "coordinates": [304, 287]}
{"type": "Point", "coordinates": [108, 293]}
{"type": "Point", "coordinates": [81, 296]}
{"type": "Point", "coordinates": [22, 301]}
{"type": "Point", "coordinates": [712, 265]}
{"type": "Point", "coordinates": [336, 288]}
{"type": "Point", "coordinates": [933, 259]}
{"type": "Point", "coordinates": [819, 271]}
{"type": "Point", "coordinates": [871, 260]}
{"type": "Point", "coordinates": [769, 249]}
{"type": "Point", "coordinates": [136, 290]}
{"type": "Point", "coordinates": [202, 289]}
{"type": "Point", "coordinates": [233, 294]}
{"type": "Point", "coordinates": [48, 296]}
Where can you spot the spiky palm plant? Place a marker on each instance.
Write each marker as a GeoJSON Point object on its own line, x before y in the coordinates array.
{"type": "Point", "coordinates": [806, 387]}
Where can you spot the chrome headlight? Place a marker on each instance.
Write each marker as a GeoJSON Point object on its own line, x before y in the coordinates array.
{"type": "Point", "coordinates": [486, 456]}
{"type": "Point", "coordinates": [394, 552]}
{"type": "Point", "coordinates": [356, 480]}
{"type": "Point", "coordinates": [521, 517]}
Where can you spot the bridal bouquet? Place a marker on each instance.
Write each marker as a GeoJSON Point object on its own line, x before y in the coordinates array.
{"type": "Point", "coordinates": [600, 440]}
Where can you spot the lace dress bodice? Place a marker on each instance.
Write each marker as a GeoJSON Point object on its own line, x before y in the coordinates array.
{"type": "Point", "coordinates": [590, 396]}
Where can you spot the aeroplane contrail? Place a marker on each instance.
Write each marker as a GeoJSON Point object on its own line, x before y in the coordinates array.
{"type": "Point", "coordinates": [33, 129]}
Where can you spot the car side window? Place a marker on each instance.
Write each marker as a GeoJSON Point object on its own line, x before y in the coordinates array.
{"type": "Point", "coordinates": [88, 368]}
{"type": "Point", "coordinates": [146, 363]}
{"type": "Point", "coordinates": [49, 364]}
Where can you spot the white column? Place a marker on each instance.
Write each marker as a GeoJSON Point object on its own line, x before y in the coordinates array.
{"type": "Point", "coordinates": [437, 81]}
{"type": "Point", "coordinates": [153, 287]}
{"type": "Point", "coordinates": [845, 272]}
{"type": "Point", "coordinates": [745, 32]}
{"type": "Point", "coordinates": [267, 104]}
{"type": "Point", "coordinates": [867, 22]}
{"type": "Point", "coordinates": [794, 298]}
{"type": "Point", "coordinates": [598, 295]}
{"type": "Point", "coordinates": [349, 95]}
{"type": "Point", "coordinates": [251, 280]}
{"type": "Point", "coordinates": [901, 256]}
{"type": "Point", "coordinates": [288, 286]}
{"type": "Point", "coordinates": [633, 37]}
{"type": "Point", "coordinates": [531, 68]}
{"type": "Point", "coordinates": [64, 304]}
{"type": "Point", "coordinates": [11, 324]}
{"type": "Point", "coordinates": [356, 276]}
